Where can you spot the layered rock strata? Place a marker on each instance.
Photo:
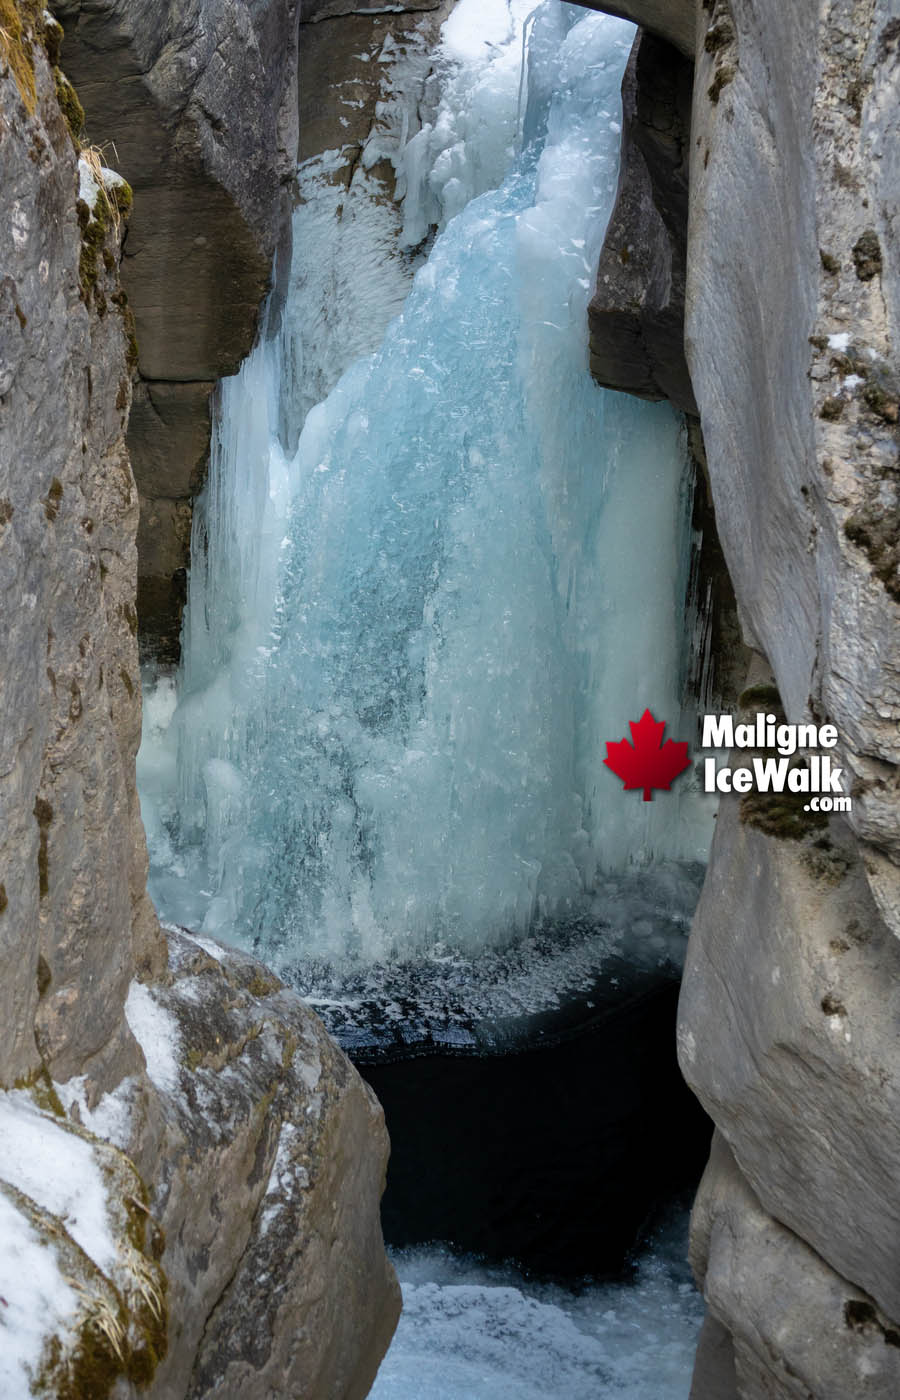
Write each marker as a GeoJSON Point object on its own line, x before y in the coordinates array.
{"type": "Point", "coordinates": [200, 109]}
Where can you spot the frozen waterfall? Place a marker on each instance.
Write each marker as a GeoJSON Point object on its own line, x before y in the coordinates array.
{"type": "Point", "coordinates": [408, 640]}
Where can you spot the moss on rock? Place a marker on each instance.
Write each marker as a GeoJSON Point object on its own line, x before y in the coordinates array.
{"type": "Point", "coordinates": [875, 529]}
{"type": "Point", "coordinates": [760, 697]}
{"type": "Point", "coordinates": [70, 106]}
{"type": "Point", "coordinates": [784, 815]}
{"type": "Point", "coordinates": [21, 24]}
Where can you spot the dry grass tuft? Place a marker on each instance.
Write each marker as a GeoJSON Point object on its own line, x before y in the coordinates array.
{"type": "Point", "coordinates": [16, 41]}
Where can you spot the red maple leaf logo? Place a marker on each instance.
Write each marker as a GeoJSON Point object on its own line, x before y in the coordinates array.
{"type": "Point", "coordinates": [650, 763]}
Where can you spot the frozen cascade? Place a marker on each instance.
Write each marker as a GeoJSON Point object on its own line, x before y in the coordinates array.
{"type": "Point", "coordinates": [407, 644]}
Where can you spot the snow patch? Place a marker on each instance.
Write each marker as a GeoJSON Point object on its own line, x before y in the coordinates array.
{"type": "Point", "coordinates": [284, 1178]}
{"type": "Point", "coordinates": [36, 1302]}
{"type": "Point", "coordinates": [156, 1031]}
{"type": "Point", "coordinates": [58, 1170]}
{"type": "Point", "coordinates": [88, 188]}
{"type": "Point", "coordinates": [110, 1119]}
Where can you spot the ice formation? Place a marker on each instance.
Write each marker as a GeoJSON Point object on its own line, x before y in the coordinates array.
{"type": "Point", "coordinates": [467, 1330]}
{"type": "Point", "coordinates": [408, 641]}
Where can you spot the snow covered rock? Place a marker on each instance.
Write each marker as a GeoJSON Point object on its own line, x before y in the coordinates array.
{"type": "Point", "coordinates": [82, 1294]}
{"type": "Point", "coordinates": [266, 1155]}
{"type": "Point", "coordinates": [253, 1264]}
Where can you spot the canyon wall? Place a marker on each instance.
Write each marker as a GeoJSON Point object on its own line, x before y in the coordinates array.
{"type": "Point", "coordinates": [789, 1003]}
{"type": "Point", "coordinates": [198, 102]}
{"type": "Point", "coordinates": [176, 1125]}
{"type": "Point", "coordinates": [204, 110]}
{"type": "Point", "coordinates": [249, 1143]}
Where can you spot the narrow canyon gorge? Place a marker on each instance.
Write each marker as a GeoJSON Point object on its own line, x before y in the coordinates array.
{"type": "Point", "coordinates": [394, 402]}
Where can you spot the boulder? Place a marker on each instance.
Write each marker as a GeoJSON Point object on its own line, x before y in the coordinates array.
{"type": "Point", "coordinates": [240, 1175]}
{"type": "Point", "coordinates": [799, 1329]}
{"type": "Point", "coordinates": [266, 1155]}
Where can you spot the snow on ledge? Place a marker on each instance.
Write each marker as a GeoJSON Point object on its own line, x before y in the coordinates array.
{"type": "Point", "coordinates": [59, 1172]}
{"type": "Point", "coordinates": [111, 1119]}
{"type": "Point", "coordinates": [156, 1031]}
{"type": "Point", "coordinates": [36, 1302]}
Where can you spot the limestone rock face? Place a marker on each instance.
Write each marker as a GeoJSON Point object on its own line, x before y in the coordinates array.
{"type": "Point", "coordinates": [786, 1032]}
{"type": "Point", "coordinates": [636, 316]}
{"type": "Point", "coordinates": [311, 11]}
{"type": "Point", "coordinates": [343, 93]}
{"type": "Point", "coordinates": [788, 1017]}
{"type": "Point", "coordinates": [798, 1328]}
{"type": "Point", "coordinates": [233, 1153]}
{"type": "Point", "coordinates": [791, 336]}
{"type": "Point", "coordinates": [74, 915]}
{"type": "Point", "coordinates": [201, 104]}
